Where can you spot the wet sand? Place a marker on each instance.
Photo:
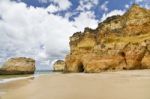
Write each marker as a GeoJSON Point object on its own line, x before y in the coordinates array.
{"type": "Point", "coordinates": [107, 85]}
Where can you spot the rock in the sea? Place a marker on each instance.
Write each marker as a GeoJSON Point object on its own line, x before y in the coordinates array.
{"type": "Point", "coordinates": [118, 43]}
{"type": "Point", "coordinates": [19, 65]}
{"type": "Point", "coordinates": [59, 65]}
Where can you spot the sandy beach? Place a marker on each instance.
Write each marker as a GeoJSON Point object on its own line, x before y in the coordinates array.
{"type": "Point", "coordinates": [107, 85]}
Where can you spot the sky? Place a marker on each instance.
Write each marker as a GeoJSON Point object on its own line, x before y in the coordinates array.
{"type": "Point", "coordinates": [40, 29]}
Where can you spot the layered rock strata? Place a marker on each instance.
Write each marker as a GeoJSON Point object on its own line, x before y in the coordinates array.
{"type": "Point", "coordinates": [118, 43]}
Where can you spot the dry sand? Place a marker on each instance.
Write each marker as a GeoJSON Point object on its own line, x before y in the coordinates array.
{"type": "Point", "coordinates": [108, 85]}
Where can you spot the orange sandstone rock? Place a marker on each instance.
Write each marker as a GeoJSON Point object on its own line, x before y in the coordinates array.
{"type": "Point", "coordinates": [118, 43]}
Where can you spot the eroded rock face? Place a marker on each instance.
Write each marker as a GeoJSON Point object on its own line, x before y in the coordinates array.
{"type": "Point", "coordinates": [59, 65]}
{"type": "Point", "coordinates": [19, 65]}
{"type": "Point", "coordinates": [120, 42]}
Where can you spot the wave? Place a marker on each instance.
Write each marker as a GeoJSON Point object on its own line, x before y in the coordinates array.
{"type": "Point", "coordinates": [13, 79]}
{"type": "Point", "coordinates": [36, 74]}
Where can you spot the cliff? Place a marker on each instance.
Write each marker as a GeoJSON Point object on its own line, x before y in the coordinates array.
{"type": "Point", "coordinates": [118, 43]}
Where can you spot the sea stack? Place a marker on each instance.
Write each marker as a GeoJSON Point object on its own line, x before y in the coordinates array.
{"type": "Point", "coordinates": [18, 65]}
{"type": "Point", "coordinates": [118, 43]}
{"type": "Point", "coordinates": [59, 66]}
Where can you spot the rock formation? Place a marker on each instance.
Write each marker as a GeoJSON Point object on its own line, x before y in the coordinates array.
{"type": "Point", "coordinates": [59, 65]}
{"type": "Point", "coordinates": [118, 43]}
{"type": "Point", "coordinates": [19, 65]}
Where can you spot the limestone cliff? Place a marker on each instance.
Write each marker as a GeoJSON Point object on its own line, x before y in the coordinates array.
{"type": "Point", "coordinates": [120, 42]}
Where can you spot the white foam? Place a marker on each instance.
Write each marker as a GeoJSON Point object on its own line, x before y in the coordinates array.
{"type": "Point", "coordinates": [14, 79]}
{"type": "Point", "coordinates": [19, 78]}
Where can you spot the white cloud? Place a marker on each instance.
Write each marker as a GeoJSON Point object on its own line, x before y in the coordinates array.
{"type": "Point", "coordinates": [127, 6]}
{"type": "Point", "coordinates": [52, 8]}
{"type": "Point", "coordinates": [63, 4]}
{"type": "Point", "coordinates": [104, 6]}
{"type": "Point", "coordinates": [32, 32]}
{"type": "Point", "coordinates": [87, 4]}
{"type": "Point", "coordinates": [113, 12]}
{"type": "Point", "coordinates": [138, 1]}
{"type": "Point", "coordinates": [142, 3]}
{"type": "Point", "coordinates": [85, 19]}
{"type": "Point", "coordinates": [147, 6]}
{"type": "Point", "coordinates": [57, 5]}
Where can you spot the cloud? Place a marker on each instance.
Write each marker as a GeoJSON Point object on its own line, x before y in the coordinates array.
{"type": "Point", "coordinates": [57, 5]}
{"type": "Point", "coordinates": [104, 6]}
{"type": "Point", "coordinates": [52, 8]}
{"type": "Point", "coordinates": [85, 5]}
{"type": "Point", "coordinates": [113, 12]}
{"type": "Point", "coordinates": [142, 3]}
{"type": "Point", "coordinates": [33, 32]}
{"type": "Point", "coordinates": [145, 3]}
{"type": "Point", "coordinates": [138, 1]}
{"type": "Point", "coordinates": [127, 6]}
{"type": "Point", "coordinates": [63, 4]}
{"type": "Point", "coordinates": [85, 19]}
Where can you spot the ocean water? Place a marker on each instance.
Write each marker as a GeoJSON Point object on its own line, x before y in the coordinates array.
{"type": "Point", "coordinates": [8, 78]}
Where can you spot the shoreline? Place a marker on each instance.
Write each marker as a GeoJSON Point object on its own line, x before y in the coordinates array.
{"type": "Point", "coordinates": [10, 78]}
{"type": "Point", "coordinates": [22, 77]}
{"type": "Point", "coordinates": [133, 84]}
{"type": "Point", "coordinates": [7, 84]}
{"type": "Point", "coordinates": [122, 72]}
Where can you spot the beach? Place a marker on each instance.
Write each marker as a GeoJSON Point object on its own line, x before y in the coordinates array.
{"type": "Point", "coordinates": [106, 85]}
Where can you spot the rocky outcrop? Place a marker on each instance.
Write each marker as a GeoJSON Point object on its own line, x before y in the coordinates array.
{"type": "Point", "coordinates": [19, 65]}
{"type": "Point", "coordinates": [59, 65]}
{"type": "Point", "coordinates": [118, 43]}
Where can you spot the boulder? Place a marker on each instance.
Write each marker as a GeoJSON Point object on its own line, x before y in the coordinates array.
{"type": "Point", "coordinates": [18, 65]}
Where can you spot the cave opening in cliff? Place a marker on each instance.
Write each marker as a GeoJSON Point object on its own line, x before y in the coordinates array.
{"type": "Point", "coordinates": [81, 67]}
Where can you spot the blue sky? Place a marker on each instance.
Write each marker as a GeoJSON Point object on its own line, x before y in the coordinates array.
{"type": "Point", "coordinates": [110, 5]}
{"type": "Point", "coordinates": [40, 29]}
